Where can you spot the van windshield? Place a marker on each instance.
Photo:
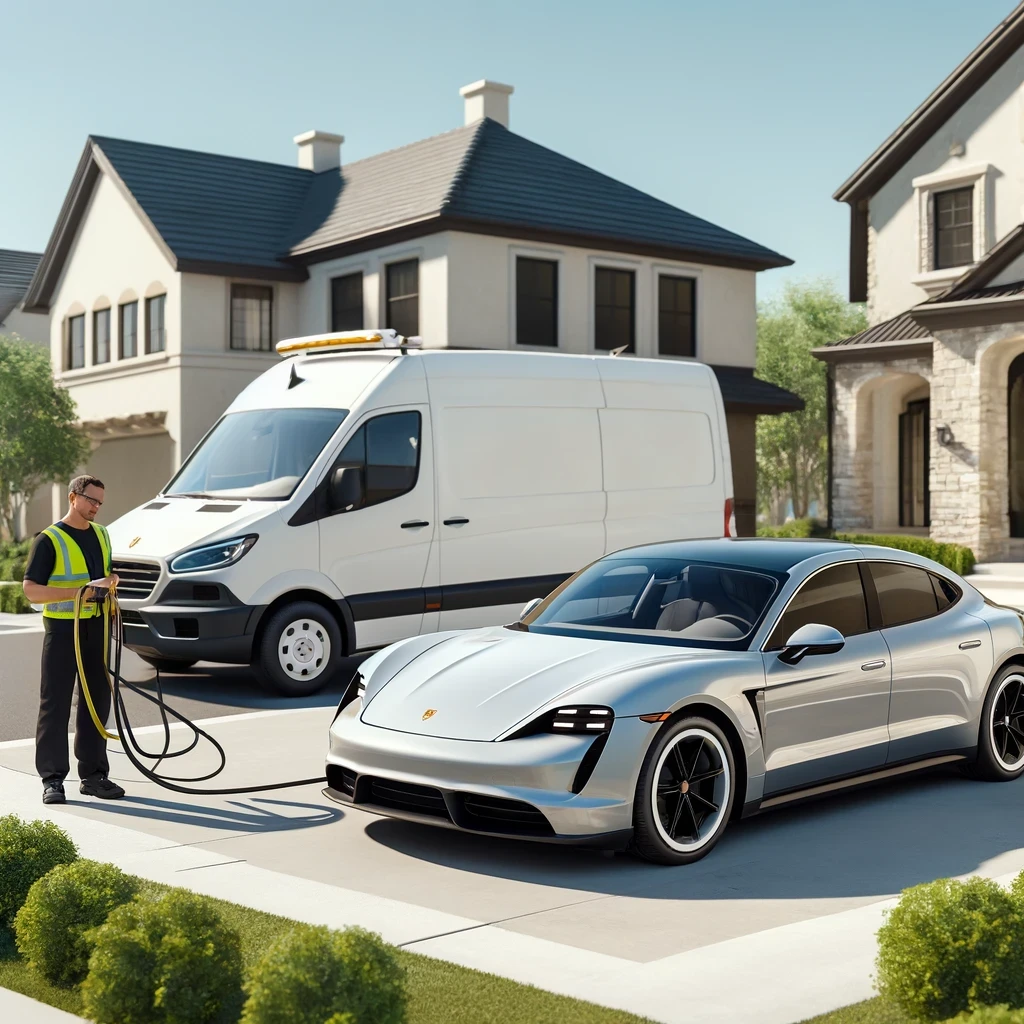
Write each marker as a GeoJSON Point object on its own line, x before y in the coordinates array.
{"type": "Point", "coordinates": [260, 454]}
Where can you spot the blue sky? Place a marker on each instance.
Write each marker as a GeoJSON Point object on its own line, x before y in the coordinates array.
{"type": "Point", "coordinates": [747, 112]}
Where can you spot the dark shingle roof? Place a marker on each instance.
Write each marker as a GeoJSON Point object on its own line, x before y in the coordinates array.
{"type": "Point", "coordinates": [16, 270]}
{"type": "Point", "coordinates": [899, 328]}
{"type": "Point", "coordinates": [743, 392]}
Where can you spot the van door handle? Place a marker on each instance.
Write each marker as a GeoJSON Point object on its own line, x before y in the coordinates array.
{"type": "Point", "coordinates": [414, 524]}
{"type": "Point", "coordinates": [969, 644]}
{"type": "Point", "coordinates": [870, 666]}
{"type": "Point", "coordinates": [456, 521]}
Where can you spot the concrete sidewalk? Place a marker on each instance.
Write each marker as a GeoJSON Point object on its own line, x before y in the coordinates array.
{"type": "Point", "coordinates": [19, 1009]}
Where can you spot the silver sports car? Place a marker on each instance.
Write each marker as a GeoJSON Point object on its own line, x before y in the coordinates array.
{"type": "Point", "coordinates": [663, 690]}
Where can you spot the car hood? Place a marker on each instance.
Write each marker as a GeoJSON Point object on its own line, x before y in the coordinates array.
{"type": "Point", "coordinates": [165, 526]}
{"type": "Point", "coordinates": [481, 684]}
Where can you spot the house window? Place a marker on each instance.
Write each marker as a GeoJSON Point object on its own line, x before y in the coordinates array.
{"type": "Point", "coordinates": [76, 342]}
{"type": "Point", "coordinates": [614, 319]}
{"type": "Point", "coordinates": [156, 333]}
{"type": "Point", "coordinates": [403, 297]}
{"type": "Point", "coordinates": [101, 336]}
{"type": "Point", "coordinates": [536, 302]}
{"type": "Point", "coordinates": [128, 329]}
{"type": "Point", "coordinates": [677, 320]}
{"type": "Point", "coordinates": [954, 228]}
{"type": "Point", "coordinates": [251, 308]}
{"type": "Point", "coordinates": [347, 302]}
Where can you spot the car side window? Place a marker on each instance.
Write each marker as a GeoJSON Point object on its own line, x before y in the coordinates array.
{"type": "Point", "coordinates": [387, 449]}
{"type": "Point", "coordinates": [945, 593]}
{"type": "Point", "coordinates": [906, 593]}
{"type": "Point", "coordinates": [833, 597]}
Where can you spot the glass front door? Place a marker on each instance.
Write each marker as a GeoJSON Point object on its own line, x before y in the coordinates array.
{"type": "Point", "coordinates": [914, 464]}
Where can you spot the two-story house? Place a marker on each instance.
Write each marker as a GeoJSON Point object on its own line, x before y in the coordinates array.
{"type": "Point", "coordinates": [927, 404]}
{"type": "Point", "coordinates": [171, 274]}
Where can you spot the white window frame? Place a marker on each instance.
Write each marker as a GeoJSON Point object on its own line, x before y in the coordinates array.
{"type": "Point", "coordinates": [384, 259]}
{"type": "Point", "coordinates": [659, 270]}
{"type": "Point", "coordinates": [556, 256]}
{"type": "Point", "coordinates": [362, 266]}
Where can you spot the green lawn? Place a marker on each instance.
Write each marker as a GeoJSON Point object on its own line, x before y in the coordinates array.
{"type": "Point", "coordinates": [439, 992]}
{"type": "Point", "coordinates": [873, 1011]}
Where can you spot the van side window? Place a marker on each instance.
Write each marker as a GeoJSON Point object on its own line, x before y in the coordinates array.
{"type": "Point", "coordinates": [387, 449]}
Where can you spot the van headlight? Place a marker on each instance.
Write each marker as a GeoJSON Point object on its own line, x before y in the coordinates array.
{"type": "Point", "coordinates": [213, 556]}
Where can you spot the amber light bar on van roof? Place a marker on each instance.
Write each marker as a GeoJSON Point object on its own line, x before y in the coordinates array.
{"type": "Point", "coordinates": [384, 338]}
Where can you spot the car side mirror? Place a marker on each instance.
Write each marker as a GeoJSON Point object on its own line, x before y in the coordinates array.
{"type": "Point", "coordinates": [346, 488]}
{"type": "Point", "coordinates": [814, 638]}
{"type": "Point", "coordinates": [528, 607]}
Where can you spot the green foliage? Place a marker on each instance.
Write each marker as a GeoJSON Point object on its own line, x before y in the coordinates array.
{"type": "Point", "coordinates": [165, 961]}
{"type": "Point", "coordinates": [313, 975]}
{"type": "Point", "coordinates": [28, 850]}
{"type": "Point", "coordinates": [950, 946]}
{"type": "Point", "coordinates": [14, 559]}
{"type": "Point", "coordinates": [13, 600]}
{"type": "Point", "coordinates": [61, 907]}
{"type": "Point", "coordinates": [39, 441]}
{"type": "Point", "coordinates": [991, 1015]}
{"type": "Point", "coordinates": [792, 449]}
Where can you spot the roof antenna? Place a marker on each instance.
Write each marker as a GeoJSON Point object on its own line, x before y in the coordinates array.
{"type": "Point", "coordinates": [294, 378]}
{"type": "Point", "coordinates": [618, 351]}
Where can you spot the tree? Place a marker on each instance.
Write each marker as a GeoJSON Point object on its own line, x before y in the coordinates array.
{"type": "Point", "coordinates": [792, 449]}
{"type": "Point", "coordinates": [39, 440]}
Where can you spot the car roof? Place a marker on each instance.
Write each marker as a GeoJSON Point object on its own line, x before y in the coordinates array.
{"type": "Point", "coordinates": [771, 554]}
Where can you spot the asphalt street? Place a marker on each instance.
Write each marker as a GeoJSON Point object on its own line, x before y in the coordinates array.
{"type": "Point", "coordinates": [205, 691]}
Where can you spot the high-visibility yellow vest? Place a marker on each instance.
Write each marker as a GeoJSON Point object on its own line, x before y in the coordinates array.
{"type": "Point", "coordinates": [70, 570]}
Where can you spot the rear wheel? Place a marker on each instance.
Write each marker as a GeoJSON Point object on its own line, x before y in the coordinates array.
{"type": "Point", "coordinates": [1001, 737]}
{"type": "Point", "coordinates": [684, 794]}
{"type": "Point", "coordinates": [167, 664]}
{"type": "Point", "coordinates": [299, 650]}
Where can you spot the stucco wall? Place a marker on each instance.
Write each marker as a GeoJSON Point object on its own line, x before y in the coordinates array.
{"type": "Point", "coordinates": [133, 470]}
{"type": "Point", "coordinates": [29, 326]}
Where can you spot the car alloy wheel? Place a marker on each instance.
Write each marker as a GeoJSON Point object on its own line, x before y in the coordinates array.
{"type": "Point", "coordinates": [1006, 723]}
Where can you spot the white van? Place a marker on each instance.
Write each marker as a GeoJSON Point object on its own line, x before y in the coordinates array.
{"type": "Point", "coordinates": [362, 491]}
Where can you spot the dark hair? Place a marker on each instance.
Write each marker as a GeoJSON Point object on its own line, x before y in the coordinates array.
{"type": "Point", "coordinates": [79, 484]}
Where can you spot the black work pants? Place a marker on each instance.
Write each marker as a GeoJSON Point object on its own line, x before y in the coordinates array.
{"type": "Point", "coordinates": [59, 672]}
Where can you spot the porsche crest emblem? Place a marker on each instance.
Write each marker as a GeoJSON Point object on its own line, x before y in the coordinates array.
{"type": "Point", "coordinates": [134, 542]}
{"type": "Point", "coordinates": [429, 713]}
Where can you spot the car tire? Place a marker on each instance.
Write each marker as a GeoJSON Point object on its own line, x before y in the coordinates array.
{"type": "Point", "coordinates": [167, 664]}
{"type": "Point", "coordinates": [1001, 733]}
{"type": "Point", "coordinates": [690, 758]}
{"type": "Point", "coordinates": [299, 650]}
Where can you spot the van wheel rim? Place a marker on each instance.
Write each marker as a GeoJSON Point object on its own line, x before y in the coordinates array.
{"type": "Point", "coordinates": [304, 649]}
{"type": "Point", "coordinates": [691, 790]}
{"type": "Point", "coordinates": [1006, 729]}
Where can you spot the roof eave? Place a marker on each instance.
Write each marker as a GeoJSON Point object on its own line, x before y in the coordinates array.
{"type": "Point", "coordinates": [899, 349]}
{"type": "Point", "coordinates": [969, 313]}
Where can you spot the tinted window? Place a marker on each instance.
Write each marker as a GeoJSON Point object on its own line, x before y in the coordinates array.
{"type": "Point", "coordinates": [833, 597]}
{"type": "Point", "coordinates": [251, 316]}
{"type": "Point", "coordinates": [347, 302]}
{"type": "Point", "coordinates": [676, 321]}
{"type": "Point", "coordinates": [536, 302]}
{"type": "Point", "coordinates": [905, 593]}
{"type": "Point", "coordinates": [945, 593]}
{"type": "Point", "coordinates": [388, 449]}
{"type": "Point", "coordinates": [403, 297]}
{"type": "Point", "coordinates": [614, 319]}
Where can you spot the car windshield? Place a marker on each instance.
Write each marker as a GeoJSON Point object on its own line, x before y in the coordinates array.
{"type": "Point", "coordinates": [663, 600]}
{"type": "Point", "coordinates": [260, 454]}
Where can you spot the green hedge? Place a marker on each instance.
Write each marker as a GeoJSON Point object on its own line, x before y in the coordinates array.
{"type": "Point", "coordinates": [28, 850]}
{"type": "Point", "coordinates": [953, 556]}
{"type": "Point", "coordinates": [14, 559]}
{"type": "Point", "coordinates": [991, 1015]}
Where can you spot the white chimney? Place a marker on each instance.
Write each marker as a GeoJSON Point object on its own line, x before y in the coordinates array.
{"type": "Point", "coordinates": [486, 99]}
{"type": "Point", "coordinates": [319, 151]}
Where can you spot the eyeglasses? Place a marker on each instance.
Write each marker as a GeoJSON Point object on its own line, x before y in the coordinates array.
{"type": "Point", "coordinates": [92, 501]}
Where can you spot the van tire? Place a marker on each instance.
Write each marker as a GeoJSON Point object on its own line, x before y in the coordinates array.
{"type": "Point", "coordinates": [299, 650]}
{"type": "Point", "coordinates": [167, 664]}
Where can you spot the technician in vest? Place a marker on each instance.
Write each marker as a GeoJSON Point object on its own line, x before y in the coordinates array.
{"type": "Point", "coordinates": [65, 557]}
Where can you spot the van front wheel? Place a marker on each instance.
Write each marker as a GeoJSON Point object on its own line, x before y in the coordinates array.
{"type": "Point", "coordinates": [299, 650]}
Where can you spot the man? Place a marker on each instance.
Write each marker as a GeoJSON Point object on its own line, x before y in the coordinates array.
{"type": "Point", "coordinates": [65, 557]}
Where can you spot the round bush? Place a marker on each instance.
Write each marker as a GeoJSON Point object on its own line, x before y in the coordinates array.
{"type": "Point", "coordinates": [165, 961]}
{"type": "Point", "coordinates": [28, 849]}
{"type": "Point", "coordinates": [61, 906]}
{"type": "Point", "coordinates": [949, 946]}
{"type": "Point", "coordinates": [313, 975]}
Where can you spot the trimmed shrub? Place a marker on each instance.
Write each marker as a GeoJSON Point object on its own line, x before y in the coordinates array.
{"type": "Point", "coordinates": [953, 556]}
{"type": "Point", "coordinates": [950, 946]}
{"type": "Point", "coordinates": [13, 600]}
{"type": "Point", "coordinates": [313, 975]}
{"type": "Point", "coordinates": [14, 560]}
{"type": "Point", "coordinates": [165, 961]}
{"type": "Point", "coordinates": [991, 1015]}
{"type": "Point", "coordinates": [61, 907]}
{"type": "Point", "coordinates": [28, 849]}
{"type": "Point", "coordinates": [795, 528]}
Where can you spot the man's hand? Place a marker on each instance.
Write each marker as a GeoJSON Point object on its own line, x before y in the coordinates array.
{"type": "Point", "coordinates": [98, 589]}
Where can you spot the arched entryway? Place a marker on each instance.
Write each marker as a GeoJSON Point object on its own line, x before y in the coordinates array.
{"type": "Point", "coordinates": [1015, 436]}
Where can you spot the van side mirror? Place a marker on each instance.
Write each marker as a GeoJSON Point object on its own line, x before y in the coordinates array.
{"type": "Point", "coordinates": [527, 608]}
{"type": "Point", "coordinates": [814, 638]}
{"type": "Point", "coordinates": [346, 489]}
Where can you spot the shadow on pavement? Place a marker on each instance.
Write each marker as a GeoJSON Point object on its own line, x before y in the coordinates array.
{"type": "Point", "coordinates": [875, 842]}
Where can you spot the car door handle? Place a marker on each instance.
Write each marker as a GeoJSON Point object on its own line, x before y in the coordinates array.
{"type": "Point", "coordinates": [414, 524]}
{"type": "Point", "coordinates": [870, 666]}
{"type": "Point", "coordinates": [456, 521]}
{"type": "Point", "coordinates": [968, 644]}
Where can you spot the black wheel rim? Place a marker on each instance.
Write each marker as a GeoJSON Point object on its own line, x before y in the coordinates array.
{"type": "Point", "coordinates": [1008, 723]}
{"type": "Point", "coordinates": [691, 789]}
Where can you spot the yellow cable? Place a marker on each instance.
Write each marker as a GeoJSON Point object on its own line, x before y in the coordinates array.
{"type": "Point", "coordinates": [82, 680]}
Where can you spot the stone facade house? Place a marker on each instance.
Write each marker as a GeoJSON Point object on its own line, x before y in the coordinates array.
{"type": "Point", "coordinates": [927, 404]}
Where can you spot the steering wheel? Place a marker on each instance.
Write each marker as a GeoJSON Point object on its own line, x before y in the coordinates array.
{"type": "Point", "coordinates": [746, 626]}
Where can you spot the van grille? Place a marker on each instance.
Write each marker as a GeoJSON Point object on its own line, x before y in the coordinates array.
{"type": "Point", "coordinates": [137, 579]}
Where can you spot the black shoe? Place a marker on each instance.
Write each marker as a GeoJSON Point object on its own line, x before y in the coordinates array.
{"type": "Point", "coordinates": [101, 786]}
{"type": "Point", "coordinates": [53, 792]}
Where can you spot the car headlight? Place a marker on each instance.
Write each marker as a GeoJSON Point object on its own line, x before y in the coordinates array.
{"type": "Point", "coordinates": [593, 719]}
{"type": "Point", "coordinates": [213, 556]}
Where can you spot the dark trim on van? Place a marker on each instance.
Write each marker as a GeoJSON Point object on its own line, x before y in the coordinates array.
{"type": "Point", "coordinates": [385, 604]}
